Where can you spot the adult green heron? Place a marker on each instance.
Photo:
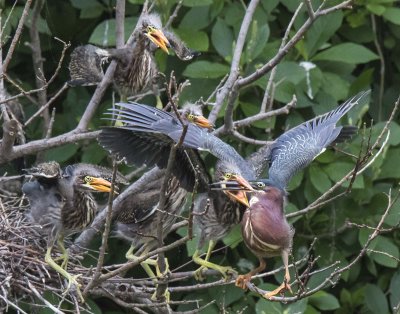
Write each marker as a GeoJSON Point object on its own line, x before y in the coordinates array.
{"type": "Point", "coordinates": [265, 229]}
{"type": "Point", "coordinates": [136, 68]}
{"type": "Point", "coordinates": [61, 202]}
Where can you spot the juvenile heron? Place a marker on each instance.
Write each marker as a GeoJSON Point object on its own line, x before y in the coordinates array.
{"type": "Point", "coordinates": [61, 202]}
{"type": "Point", "coordinates": [136, 68]}
{"type": "Point", "coordinates": [265, 229]}
{"type": "Point", "coordinates": [136, 222]}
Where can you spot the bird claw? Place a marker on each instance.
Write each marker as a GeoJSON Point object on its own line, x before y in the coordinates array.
{"type": "Point", "coordinates": [227, 272]}
{"type": "Point", "coordinates": [198, 273]}
{"type": "Point", "coordinates": [242, 280]}
{"type": "Point", "coordinates": [285, 286]}
{"type": "Point", "coordinates": [166, 295]}
{"type": "Point", "coordinates": [72, 281]}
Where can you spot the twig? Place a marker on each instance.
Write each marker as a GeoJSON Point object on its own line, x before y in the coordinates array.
{"type": "Point", "coordinates": [39, 296]}
{"type": "Point", "coordinates": [45, 106]}
{"type": "Point", "coordinates": [174, 14]}
{"type": "Point", "coordinates": [17, 35]}
{"type": "Point", "coordinates": [106, 232]}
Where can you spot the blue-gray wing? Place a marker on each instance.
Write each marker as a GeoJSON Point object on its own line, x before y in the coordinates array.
{"type": "Point", "coordinates": [296, 148]}
{"type": "Point", "coordinates": [146, 119]}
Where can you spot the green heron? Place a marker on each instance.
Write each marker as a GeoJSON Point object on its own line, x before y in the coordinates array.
{"type": "Point", "coordinates": [61, 202]}
{"type": "Point", "coordinates": [136, 222]}
{"type": "Point", "coordinates": [136, 68]}
{"type": "Point", "coordinates": [265, 229]}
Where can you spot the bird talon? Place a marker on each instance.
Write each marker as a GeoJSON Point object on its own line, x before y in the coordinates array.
{"type": "Point", "coordinates": [72, 281]}
{"type": "Point", "coordinates": [242, 280]}
{"type": "Point", "coordinates": [280, 290]}
{"type": "Point", "coordinates": [198, 274]}
{"type": "Point", "coordinates": [166, 295]}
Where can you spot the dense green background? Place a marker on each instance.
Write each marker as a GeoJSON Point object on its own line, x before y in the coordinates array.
{"type": "Point", "coordinates": [341, 45]}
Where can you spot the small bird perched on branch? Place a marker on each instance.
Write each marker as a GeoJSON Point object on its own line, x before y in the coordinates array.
{"type": "Point", "coordinates": [61, 202]}
{"type": "Point", "coordinates": [265, 229]}
{"type": "Point", "coordinates": [136, 68]}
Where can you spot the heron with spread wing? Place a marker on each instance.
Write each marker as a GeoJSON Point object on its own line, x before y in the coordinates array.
{"type": "Point", "coordinates": [265, 229]}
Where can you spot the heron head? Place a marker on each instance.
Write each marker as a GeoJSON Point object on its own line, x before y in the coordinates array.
{"type": "Point", "coordinates": [156, 36]}
{"type": "Point", "coordinates": [238, 195]}
{"type": "Point", "coordinates": [94, 184]}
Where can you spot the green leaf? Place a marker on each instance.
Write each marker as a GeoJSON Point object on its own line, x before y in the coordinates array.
{"type": "Point", "coordinates": [62, 153]}
{"type": "Point", "coordinates": [222, 38]}
{"type": "Point", "coordinates": [267, 307]}
{"type": "Point", "coordinates": [196, 18]}
{"type": "Point", "coordinates": [390, 167]}
{"type": "Point", "coordinates": [394, 289]}
{"type": "Point", "coordinates": [348, 53]}
{"type": "Point", "coordinates": [322, 30]}
{"type": "Point", "coordinates": [298, 307]}
{"type": "Point", "coordinates": [251, 109]}
{"type": "Point", "coordinates": [375, 299]}
{"type": "Point", "coordinates": [335, 85]}
{"type": "Point", "coordinates": [385, 246]}
{"type": "Point", "coordinates": [319, 179]}
{"type": "Point", "coordinates": [89, 8]}
{"type": "Point", "coordinates": [337, 170]}
{"type": "Point", "coordinates": [234, 237]}
{"type": "Point", "coordinates": [196, 3]}
{"type": "Point", "coordinates": [376, 8]}
{"type": "Point", "coordinates": [205, 69]}
{"type": "Point", "coordinates": [195, 40]}
{"type": "Point", "coordinates": [257, 41]}
{"type": "Point", "coordinates": [289, 71]}
{"type": "Point", "coordinates": [392, 15]}
{"type": "Point", "coordinates": [104, 33]}
{"type": "Point", "coordinates": [324, 301]}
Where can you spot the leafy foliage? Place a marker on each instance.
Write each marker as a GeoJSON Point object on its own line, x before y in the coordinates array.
{"type": "Point", "coordinates": [346, 48]}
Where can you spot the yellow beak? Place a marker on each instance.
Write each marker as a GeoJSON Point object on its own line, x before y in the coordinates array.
{"type": "Point", "coordinates": [240, 196]}
{"type": "Point", "coordinates": [158, 38]}
{"type": "Point", "coordinates": [202, 122]}
{"type": "Point", "coordinates": [101, 185]}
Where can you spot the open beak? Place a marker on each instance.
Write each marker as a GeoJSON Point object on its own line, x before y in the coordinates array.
{"type": "Point", "coordinates": [239, 196]}
{"type": "Point", "coordinates": [203, 122]}
{"type": "Point", "coordinates": [158, 38]}
{"type": "Point", "coordinates": [100, 185]}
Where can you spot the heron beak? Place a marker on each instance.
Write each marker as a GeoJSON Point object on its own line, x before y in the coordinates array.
{"type": "Point", "coordinates": [100, 185]}
{"type": "Point", "coordinates": [159, 39]}
{"type": "Point", "coordinates": [203, 122]}
{"type": "Point", "coordinates": [239, 196]}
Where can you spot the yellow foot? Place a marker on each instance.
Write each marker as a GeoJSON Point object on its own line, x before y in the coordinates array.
{"type": "Point", "coordinates": [242, 280]}
{"type": "Point", "coordinates": [280, 290]}
{"type": "Point", "coordinates": [73, 282]}
{"type": "Point", "coordinates": [227, 272]}
{"type": "Point", "coordinates": [198, 274]}
{"type": "Point", "coordinates": [166, 271]}
{"type": "Point", "coordinates": [64, 259]}
{"type": "Point", "coordinates": [166, 296]}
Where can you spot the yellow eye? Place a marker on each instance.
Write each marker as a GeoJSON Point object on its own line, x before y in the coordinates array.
{"type": "Point", "coordinates": [190, 117]}
{"type": "Point", "coordinates": [150, 28]}
{"type": "Point", "coordinates": [228, 176]}
{"type": "Point", "coordinates": [88, 179]}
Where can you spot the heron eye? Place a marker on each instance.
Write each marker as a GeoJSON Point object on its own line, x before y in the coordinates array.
{"type": "Point", "coordinates": [190, 117]}
{"type": "Point", "coordinates": [150, 28]}
{"type": "Point", "coordinates": [88, 179]}
{"type": "Point", "coordinates": [260, 184]}
{"type": "Point", "coordinates": [228, 175]}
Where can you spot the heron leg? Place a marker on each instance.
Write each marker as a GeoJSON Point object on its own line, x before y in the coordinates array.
{"type": "Point", "coordinates": [225, 271]}
{"type": "Point", "coordinates": [146, 266]}
{"type": "Point", "coordinates": [285, 284]}
{"type": "Point", "coordinates": [64, 253]}
{"type": "Point", "coordinates": [72, 279]}
{"type": "Point", "coordinates": [242, 280]}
